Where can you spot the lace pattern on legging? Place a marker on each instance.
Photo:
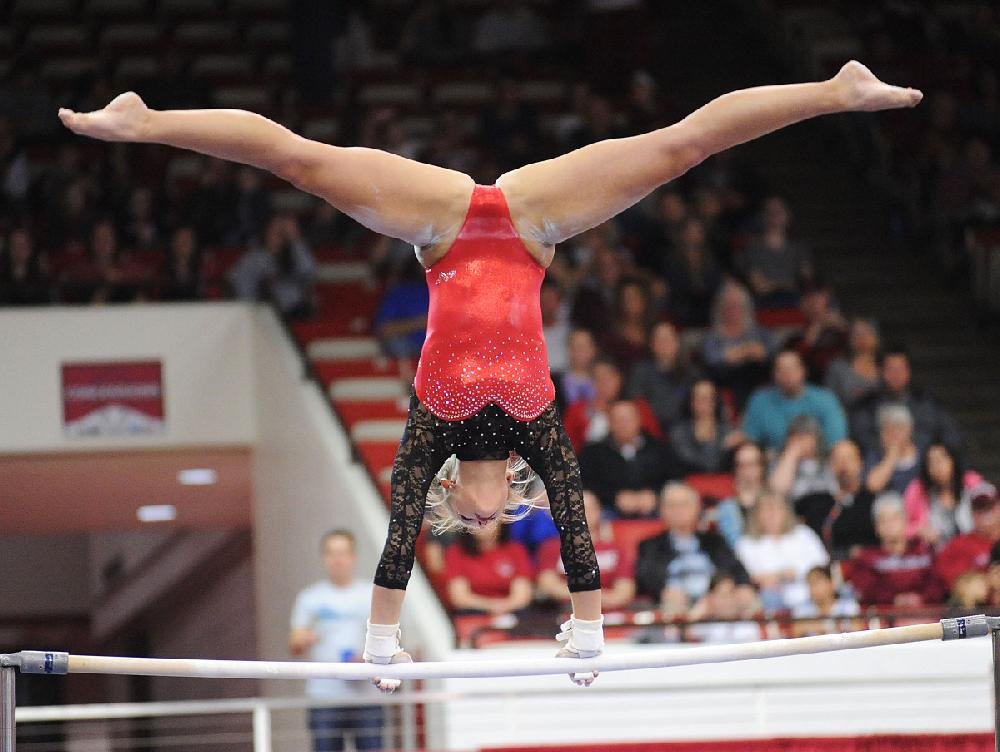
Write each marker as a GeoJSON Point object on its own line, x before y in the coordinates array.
{"type": "Point", "coordinates": [428, 441]}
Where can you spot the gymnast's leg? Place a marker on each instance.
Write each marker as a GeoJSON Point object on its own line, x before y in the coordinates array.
{"type": "Point", "coordinates": [556, 199]}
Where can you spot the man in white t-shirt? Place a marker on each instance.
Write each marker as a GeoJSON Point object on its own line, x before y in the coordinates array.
{"type": "Point", "coordinates": [328, 624]}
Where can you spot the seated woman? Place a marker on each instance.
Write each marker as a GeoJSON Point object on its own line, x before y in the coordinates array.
{"type": "Point", "coordinates": [938, 503]}
{"type": "Point", "coordinates": [705, 437]}
{"type": "Point", "coordinates": [628, 339]}
{"type": "Point", "coordinates": [737, 350]}
{"type": "Point", "coordinates": [777, 551]}
{"type": "Point", "coordinates": [854, 376]}
{"type": "Point", "coordinates": [802, 468]}
{"type": "Point", "coordinates": [487, 572]}
{"type": "Point", "coordinates": [617, 564]}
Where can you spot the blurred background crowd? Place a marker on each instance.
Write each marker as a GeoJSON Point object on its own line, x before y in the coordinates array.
{"type": "Point", "coordinates": [751, 441]}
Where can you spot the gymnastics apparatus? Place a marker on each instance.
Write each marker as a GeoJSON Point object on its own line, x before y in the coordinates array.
{"type": "Point", "coordinates": [57, 663]}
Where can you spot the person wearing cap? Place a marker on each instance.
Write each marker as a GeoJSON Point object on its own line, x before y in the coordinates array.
{"type": "Point", "coordinates": [971, 551]}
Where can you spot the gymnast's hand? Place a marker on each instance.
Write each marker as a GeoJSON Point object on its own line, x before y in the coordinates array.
{"type": "Point", "coordinates": [581, 639]}
{"type": "Point", "coordinates": [863, 91]}
{"type": "Point", "coordinates": [124, 119]}
{"type": "Point", "coordinates": [382, 647]}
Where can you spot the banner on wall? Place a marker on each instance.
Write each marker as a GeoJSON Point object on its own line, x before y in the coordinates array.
{"type": "Point", "coordinates": [123, 398]}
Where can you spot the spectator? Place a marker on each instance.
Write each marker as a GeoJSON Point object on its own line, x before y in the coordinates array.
{"type": "Point", "coordinates": [736, 350]}
{"type": "Point", "coordinates": [930, 422]}
{"type": "Point", "coordinates": [602, 267]}
{"type": "Point", "coordinates": [938, 503]}
{"type": "Point", "coordinates": [141, 232]}
{"type": "Point", "coordinates": [431, 33]}
{"type": "Point", "coordinates": [617, 565]}
{"type": "Point", "coordinates": [842, 518]}
{"type": "Point", "coordinates": [280, 270]}
{"type": "Point", "coordinates": [693, 275]}
{"type": "Point", "coordinates": [328, 624]}
{"type": "Point", "coordinates": [725, 615]}
{"type": "Point", "coordinates": [898, 462]}
{"type": "Point", "coordinates": [251, 206]}
{"type": "Point", "coordinates": [576, 384]}
{"type": "Point", "coordinates": [665, 379]}
{"type": "Point", "coordinates": [730, 514]}
{"type": "Point", "coordinates": [824, 335]}
{"type": "Point", "coordinates": [183, 278]}
{"type": "Point", "coordinates": [771, 409]}
{"type": "Point", "coordinates": [824, 600]}
{"type": "Point", "coordinates": [971, 551]}
{"type": "Point", "coordinates": [400, 322]}
{"type": "Point", "coordinates": [778, 552]}
{"type": "Point", "coordinates": [24, 273]}
{"type": "Point", "coordinates": [628, 339]}
{"type": "Point", "coordinates": [555, 325]}
{"type": "Point", "coordinates": [703, 439]}
{"type": "Point", "coordinates": [487, 572]}
{"type": "Point", "coordinates": [855, 377]}
{"type": "Point", "coordinates": [775, 267]}
{"type": "Point", "coordinates": [676, 567]}
{"type": "Point", "coordinates": [969, 595]}
{"type": "Point", "coordinates": [510, 127]}
{"type": "Point", "coordinates": [99, 278]}
{"type": "Point", "coordinates": [533, 530]}
{"type": "Point", "coordinates": [900, 571]}
{"type": "Point", "coordinates": [211, 206]}
{"type": "Point", "coordinates": [588, 421]}
{"type": "Point", "coordinates": [625, 468]}
{"type": "Point", "coordinates": [801, 468]}
{"type": "Point", "coordinates": [15, 170]}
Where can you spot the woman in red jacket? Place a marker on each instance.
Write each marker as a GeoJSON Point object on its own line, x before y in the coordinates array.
{"type": "Point", "coordinates": [482, 388]}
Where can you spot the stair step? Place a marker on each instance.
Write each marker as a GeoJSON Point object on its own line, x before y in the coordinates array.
{"type": "Point", "coordinates": [366, 390]}
{"type": "Point", "coordinates": [343, 348]}
{"type": "Point", "coordinates": [380, 429]}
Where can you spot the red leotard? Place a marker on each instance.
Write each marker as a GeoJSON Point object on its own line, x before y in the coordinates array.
{"type": "Point", "coordinates": [484, 327]}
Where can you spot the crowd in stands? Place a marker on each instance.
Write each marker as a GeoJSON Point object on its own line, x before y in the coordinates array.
{"type": "Point", "coordinates": [774, 451]}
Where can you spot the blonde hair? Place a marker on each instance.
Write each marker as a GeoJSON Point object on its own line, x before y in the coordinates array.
{"type": "Point", "coordinates": [753, 524]}
{"type": "Point", "coordinates": [524, 493]}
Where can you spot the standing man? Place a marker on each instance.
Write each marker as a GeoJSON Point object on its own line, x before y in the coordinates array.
{"type": "Point", "coordinates": [328, 624]}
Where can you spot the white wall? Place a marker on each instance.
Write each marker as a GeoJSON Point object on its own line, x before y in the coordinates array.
{"type": "Point", "coordinates": [206, 351]}
{"type": "Point", "coordinates": [915, 688]}
{"type": "Point", "coordinates": [304, 484]}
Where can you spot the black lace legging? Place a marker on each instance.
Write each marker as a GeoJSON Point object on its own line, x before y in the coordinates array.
{"type": "Point", "coordinates": [428, 441]}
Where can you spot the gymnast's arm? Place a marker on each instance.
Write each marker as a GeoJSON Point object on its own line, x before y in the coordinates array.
{"type": "Point", "coordinates": [556, 199]}
{"type": "Point", "coordinates": [418, 203]}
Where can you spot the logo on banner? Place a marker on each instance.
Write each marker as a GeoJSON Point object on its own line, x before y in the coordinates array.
{"type": "Point", "coordinates": [112, 399]}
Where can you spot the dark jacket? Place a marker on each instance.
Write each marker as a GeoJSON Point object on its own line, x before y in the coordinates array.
{"type": "Point", "coordinates": [656, 553]}
{"type": "Point", "coordinates": [606, 472]}
{"type": "Point", "coordinates": [931, 422]}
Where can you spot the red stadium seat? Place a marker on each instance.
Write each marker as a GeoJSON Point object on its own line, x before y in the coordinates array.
{"type": "Point", "coordinates": [712, 486]}
{"type": "Point", "coordinates": [780, 317]}
{"type": "Point", "coordinates": [630, 533]}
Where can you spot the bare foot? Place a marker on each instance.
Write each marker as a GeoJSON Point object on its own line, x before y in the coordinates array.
{"type": "Point", "coordinates": [122, 120]}
{"type": "Point", "coordinates": [862, 91]}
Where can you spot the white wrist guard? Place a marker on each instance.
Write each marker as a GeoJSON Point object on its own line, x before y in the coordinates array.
{"type": "Point", "coordinates": [381, 643]}
{"type": "Point", "coordinates": [582, 638]}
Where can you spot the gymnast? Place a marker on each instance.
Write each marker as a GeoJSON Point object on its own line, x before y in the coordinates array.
{"type": "Point", "coordinates": [483, 432]}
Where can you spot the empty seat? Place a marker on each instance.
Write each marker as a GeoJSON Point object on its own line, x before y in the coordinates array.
{"type": "Point", "coordinates": [117, 8]}
{"type": "Point", "coordinates": [188, 8]}
{"type": "Point", "coordinates": [256, 98]}
{"type": "Point", "coordinates": [136, 68]}
{"type": "Point", "coordinates": [57, 36]}
{"type": "Point", "coordinates": [215, 67]}
{"type": "Point", "coordinates": [463, 93]}
{"type": "Point", "coordinates": [65, 69]}
{"type": "Point", "coordinates": [49, 9]}
{"type": "Point", "coordinates": [129, 36]}
{"type": "Point", "coordinates": [543, 91]}
{"type": "Point", "coordinates": [268, 34]}
{"type": "Point", "coordinates": [390, 94]}
{"type": "Point", "coordinates": [204, 34]}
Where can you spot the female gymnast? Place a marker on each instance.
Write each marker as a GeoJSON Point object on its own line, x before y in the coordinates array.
{"type": "Point", "coordinates": [482, 416]}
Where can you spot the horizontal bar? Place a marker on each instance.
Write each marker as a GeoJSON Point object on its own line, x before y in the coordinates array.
{"type": "Point", "coordinates": [611, 661]}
